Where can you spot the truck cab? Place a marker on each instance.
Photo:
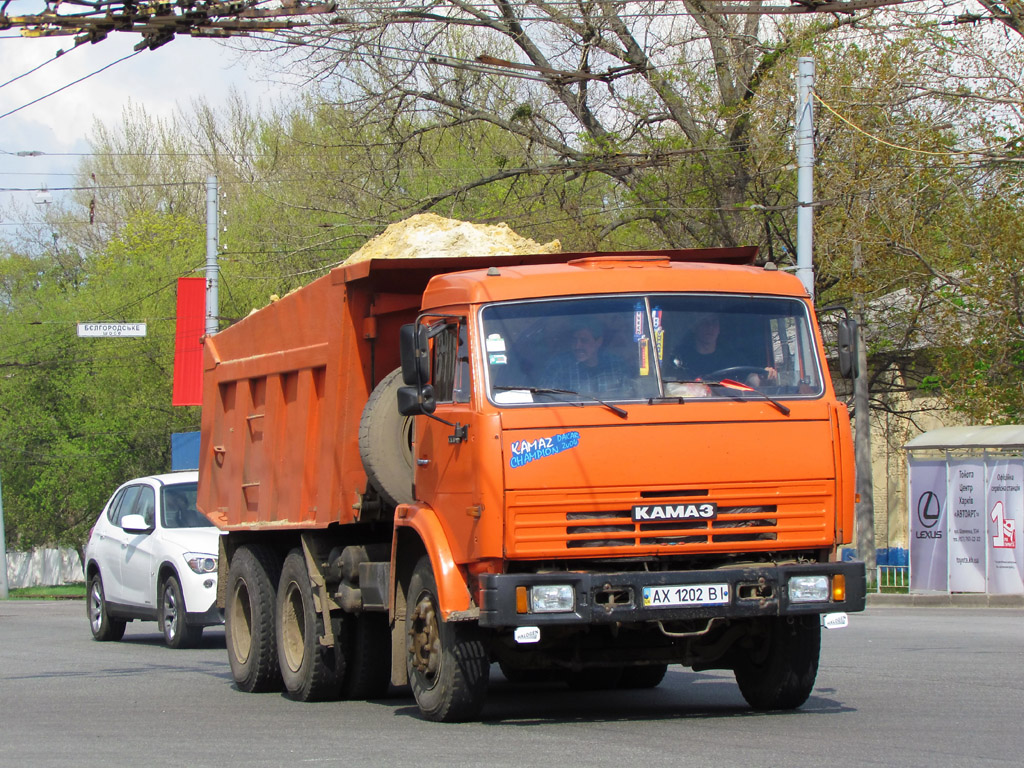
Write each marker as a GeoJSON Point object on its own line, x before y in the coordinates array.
{"type": "Point", "coordinates": [627, 446]}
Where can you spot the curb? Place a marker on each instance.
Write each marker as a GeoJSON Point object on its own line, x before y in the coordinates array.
{"type": "Point", "coordinates": [947, 600]}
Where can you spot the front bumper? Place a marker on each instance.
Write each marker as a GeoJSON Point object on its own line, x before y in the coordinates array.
{"type": "Point", "coordinates": [200, 599]}
{"type": "Point", "coordinates": [615, 597]}
{"type": "Point", "coordinates": [212, 616]}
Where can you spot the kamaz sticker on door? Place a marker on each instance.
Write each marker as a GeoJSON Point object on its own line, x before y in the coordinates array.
{"type": "Point", "coordinates": [525, 451]}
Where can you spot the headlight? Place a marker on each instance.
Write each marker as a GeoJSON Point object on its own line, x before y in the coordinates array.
{"type": "Point", "coordinates": [808, 589]}
{"type": "Point", "coordinates": [552, 598]}
{"type": "Point", "coordinates": [201, 563]}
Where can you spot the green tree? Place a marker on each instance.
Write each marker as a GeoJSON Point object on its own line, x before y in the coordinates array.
{"type": "Point", "coordinates": [83, 415]}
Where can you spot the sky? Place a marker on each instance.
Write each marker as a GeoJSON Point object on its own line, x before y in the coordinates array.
{"type": "Point", "coordinates": [172, 75]}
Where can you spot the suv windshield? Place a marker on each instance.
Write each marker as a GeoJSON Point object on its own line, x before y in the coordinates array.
{"type": "Point", "coordinates": [648, 347]}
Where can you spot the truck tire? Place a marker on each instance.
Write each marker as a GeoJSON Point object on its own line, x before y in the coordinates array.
{"type": "Point", "coordinates": [780, 673]}
{"type": "Point", "coordinates": [446, 661]}
{"type": "Point", "coordinates": [249, 619]}
{"type": "Point", "coordinates": [173, 617]}
{"type": "Point", "coordinates": [309, 670]}
{"type": "Point", "coordinates": [368, 653]}
{"type": "Point", "coordinates": [103, 627]}
{"type": "Point", "coordinates": [385, 442]}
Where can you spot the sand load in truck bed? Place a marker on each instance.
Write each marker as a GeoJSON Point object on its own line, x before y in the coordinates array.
{"type": "Point", "coordinates": [428, 234]}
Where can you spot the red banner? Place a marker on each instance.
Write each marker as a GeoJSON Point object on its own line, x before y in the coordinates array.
{"type": "Point", "coordinates": [188, 341]}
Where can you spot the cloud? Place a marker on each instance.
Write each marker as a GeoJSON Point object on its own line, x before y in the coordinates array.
{"type": "Point", "coordinates": [58, 126]}
{"type": "Point", "coordinates": [172, 75]}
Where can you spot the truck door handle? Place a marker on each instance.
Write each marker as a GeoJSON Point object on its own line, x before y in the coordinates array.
{"type": "Point", "coordinates": [422, 462]}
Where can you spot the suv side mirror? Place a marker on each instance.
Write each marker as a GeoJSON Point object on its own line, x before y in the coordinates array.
{"type": "Point", "coordinates": [415, 354]}
{"type": "Point", "coordinates": [135, 524]}
{"type": "Point", "coordinates": [848, 364]}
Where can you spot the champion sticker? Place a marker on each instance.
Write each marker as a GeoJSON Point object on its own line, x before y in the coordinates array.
{"type": "Point", "coordinates": [525, 451]}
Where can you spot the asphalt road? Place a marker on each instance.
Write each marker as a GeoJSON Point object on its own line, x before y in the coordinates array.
{"type": "Point", "coordinates": [902, 686]}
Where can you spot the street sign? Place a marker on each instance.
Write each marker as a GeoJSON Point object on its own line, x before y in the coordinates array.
{"type": "Point", "coordinates": [117, 330]}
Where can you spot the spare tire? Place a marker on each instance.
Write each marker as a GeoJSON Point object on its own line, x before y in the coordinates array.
{"type": "Point", "coordinates": [385, 442]}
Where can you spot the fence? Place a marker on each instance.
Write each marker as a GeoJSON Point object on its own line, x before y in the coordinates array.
{"type": "Point", "coordinates": [893, 578]}
{"type": "Point", "coordinates": [44, 568]}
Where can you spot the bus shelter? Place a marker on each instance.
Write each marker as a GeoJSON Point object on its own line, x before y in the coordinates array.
{"type": "Point", "coordinates": [966, 506]}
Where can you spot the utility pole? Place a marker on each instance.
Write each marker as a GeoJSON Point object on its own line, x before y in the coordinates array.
{"type": "Point", "coordinates": [805, 172]}
{"type": "Point", "coordinates": [865, 509]}
{"type": "Point", "coordinates": [4, 586]}
{"type": "Point", "coordinates": [212, 270]}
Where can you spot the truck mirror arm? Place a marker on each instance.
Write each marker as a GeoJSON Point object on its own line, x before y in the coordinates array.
{"type": "Point", "coordinates": [419, 401]}
{"type": "Point", "coordinates": [460, 433]}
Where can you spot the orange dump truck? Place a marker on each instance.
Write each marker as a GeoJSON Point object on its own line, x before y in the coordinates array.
{"type": "Point", "coordinates": [584, 466]}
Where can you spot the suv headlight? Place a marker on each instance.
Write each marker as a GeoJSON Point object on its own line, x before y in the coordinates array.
{"type": "Point", "coordinates": [200, 562]}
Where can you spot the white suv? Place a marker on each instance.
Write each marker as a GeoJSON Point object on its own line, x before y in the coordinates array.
{"type": "Point", "coordinates": [151, 556]}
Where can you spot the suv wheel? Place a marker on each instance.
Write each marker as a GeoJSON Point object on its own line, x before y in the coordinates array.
{"type": "Point", "coordinates": [173, 622]}
{"type": "Point", "coordinates": [103, 627]}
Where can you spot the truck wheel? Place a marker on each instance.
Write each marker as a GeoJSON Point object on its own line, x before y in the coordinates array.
{"type": "Point", "coordinates": [446, 661]}
{"type": "Point", "coordinates": [249, 619]}
{"type": "Point", "coordinates": [385, 442]}
{"type": "Point", "coordinates": [103, 627]}
{"type": "Point", "coordinates": [780, 673]}
{"type": "Point", "coordinates": [308, 669]}
{"type": "Point", "coordinates": [176, 631]}
{"type": "Point", "coordinates": [368, 652]}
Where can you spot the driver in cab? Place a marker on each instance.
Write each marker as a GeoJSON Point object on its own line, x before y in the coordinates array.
{"type": "Point", "coordinates": [699, 357]}
{"type": "Point", "coordinates": [586, 367]}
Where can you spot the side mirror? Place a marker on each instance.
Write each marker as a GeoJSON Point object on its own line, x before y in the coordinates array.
{"type": "Point", "coordinates": [413, 401]}
{"type": "Point", "coordinates": [848, 367]}
{"type": "Point", "coordinates": [415, 354]}
{"type": "Point", "coordinates": [135, 524]}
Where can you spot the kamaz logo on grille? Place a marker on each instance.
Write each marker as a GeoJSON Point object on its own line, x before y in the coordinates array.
{"type": "Point", "coordinates": [706, 511]}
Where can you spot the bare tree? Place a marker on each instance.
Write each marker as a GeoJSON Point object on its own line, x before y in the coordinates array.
{"type": "Point", "coordinates": [656, 98]}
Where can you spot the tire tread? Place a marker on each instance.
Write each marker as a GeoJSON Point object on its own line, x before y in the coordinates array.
{"type": "Point", "coordinates": [261, 674]}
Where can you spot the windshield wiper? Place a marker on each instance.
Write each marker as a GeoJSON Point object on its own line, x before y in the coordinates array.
{"type": "Point", "coordinates": [731, 384]}
{"type": "Point", "coordinates": [678, 399]}
{"type": "Point", "coordinates": [550, 391]}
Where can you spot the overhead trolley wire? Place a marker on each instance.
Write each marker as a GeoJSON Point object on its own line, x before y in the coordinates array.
{"type": "Point", "coordinates": [68, 85]}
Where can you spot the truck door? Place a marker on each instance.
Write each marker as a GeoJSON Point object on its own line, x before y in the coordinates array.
{"type": "Point", "coordinates": [445, 472]}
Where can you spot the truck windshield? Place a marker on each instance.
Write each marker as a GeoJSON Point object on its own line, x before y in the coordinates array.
{"type": "Point", "coordinates": [650, 347]}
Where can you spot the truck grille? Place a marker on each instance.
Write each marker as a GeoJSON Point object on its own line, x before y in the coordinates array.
{"type": "Point", "coordinates": [757, 523]}
{"type": "Point", "coordinates": [545, 523]}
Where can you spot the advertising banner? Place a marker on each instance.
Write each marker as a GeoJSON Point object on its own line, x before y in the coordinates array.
{"type": "Point", "coordinates": [1005, 502]}
{"type": "Point", "coordinates": [188, 342]}
{"type": "Point", "coordinates": [928, 563]}
{"type": "Point", "coordinates": [967, 529]}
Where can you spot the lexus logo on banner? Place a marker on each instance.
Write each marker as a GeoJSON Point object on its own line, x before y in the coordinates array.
{"type": "Point", "coordinates": [928, 535]}
{"type": "Point", "coordinates": [929, 509]}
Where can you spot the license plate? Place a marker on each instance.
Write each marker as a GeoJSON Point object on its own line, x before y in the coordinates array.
{"type": "Point", "coordinates": [675, 595]}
